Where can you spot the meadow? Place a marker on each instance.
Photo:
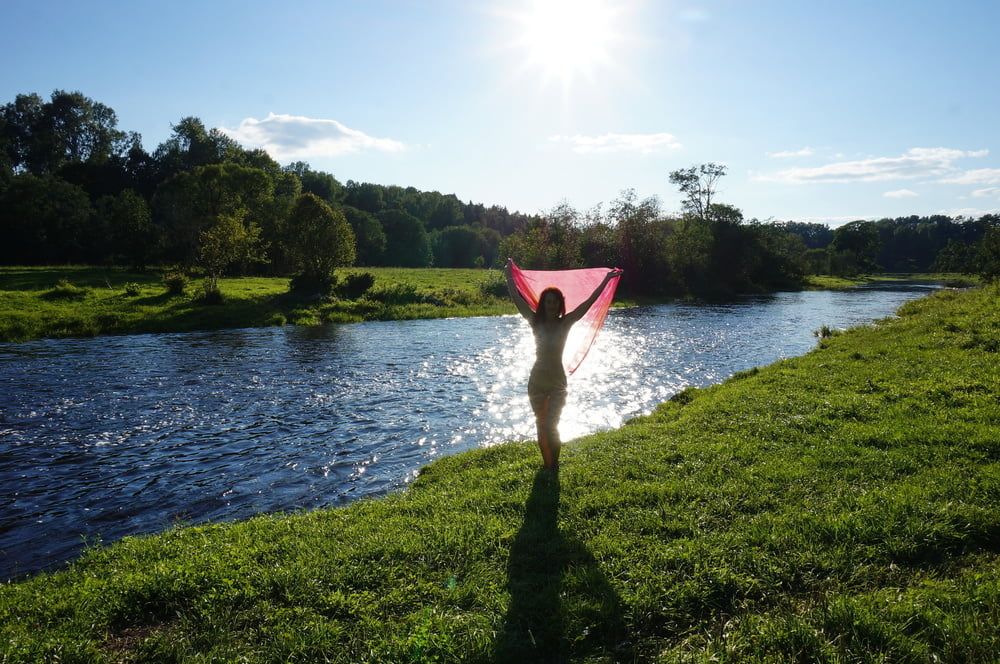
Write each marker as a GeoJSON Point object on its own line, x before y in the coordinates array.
{"type": "Point", "coordinates": [839, 506]}
{"type": "Point", "coordinates": [88, 301]}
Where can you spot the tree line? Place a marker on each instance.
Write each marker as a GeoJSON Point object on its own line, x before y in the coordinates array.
{"type": "Point", "coordinates": [74, 188]}
{"type": "Point", "coordinates": [935, 243]}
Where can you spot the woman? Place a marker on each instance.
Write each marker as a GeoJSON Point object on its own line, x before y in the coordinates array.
{"type": "Point", "coordinates": [547, 383]}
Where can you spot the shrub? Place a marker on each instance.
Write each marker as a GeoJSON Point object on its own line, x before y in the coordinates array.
{"type": "Point", "coordinates": [356, 285]}
{"type": "Point", "coordinates": [210, 294]}
{"type": "Point", "coordinates": [313, 284]}
{"type": "Point", "coordinates": [277, 319]}
{"type": "Point", "coordinates": [825, 332]}
{"type": "Point", "coordinates": [397, 294]}
{"type": "Point", "coordinates": [176, 282]}
{"type": "Point", "coordinates": [132, 289]}
{"type": "Point", "coordinates": [304, 317]}
{"type": "Point", "coordinates": [446, 297]}
{"type": "Point", "coordinates": [495, 285]}
{"type": "Point", "coordinates": [64, 290]}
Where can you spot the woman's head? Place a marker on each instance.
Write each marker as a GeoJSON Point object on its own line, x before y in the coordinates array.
{"type": "Point", "coordinates": [551, 305]}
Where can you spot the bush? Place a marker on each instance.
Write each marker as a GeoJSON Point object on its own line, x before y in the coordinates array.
{"type": "Point", "coordinates": [397, 294]}
{"type": "Point", "coordinates": [176, 282]}
{"type": "Point", "coordinates": [825, 332]}
{"type": "Point", "coordinates": [449, 297]}
{"type": "Point", "coordinates": [211, 295]}
{"type": "Point", "coordinates": [64, 290]}
{"type": "Point", "coordinates": [304, 316]}
{"type": "Point", "coordinates": [132, 289]}
{"type": "Point", "coordinates": [356, 285]}
{"type": "Point", "coordinates": [277, 319]}
{"type": "Point", "coordinates": [495, 285]}
{"type": "Point", "coordinates": [313, 284]}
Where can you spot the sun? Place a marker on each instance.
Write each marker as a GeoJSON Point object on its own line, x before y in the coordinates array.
{"type": "Point", "coordinates": [567, 39]}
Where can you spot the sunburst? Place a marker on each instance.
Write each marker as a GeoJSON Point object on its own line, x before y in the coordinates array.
{"type": "Point", "coordinates": [565, 40]}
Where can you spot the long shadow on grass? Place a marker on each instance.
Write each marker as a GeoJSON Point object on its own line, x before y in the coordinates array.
{"type": "Point", "coordinates": [561, 604]}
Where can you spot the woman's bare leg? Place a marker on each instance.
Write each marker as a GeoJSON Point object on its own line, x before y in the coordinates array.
{"type": "Point", "coordinates": [553, 409]}
{"type": "Point", "coordinates": [540, 404]}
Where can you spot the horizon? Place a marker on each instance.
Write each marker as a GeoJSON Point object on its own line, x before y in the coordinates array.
{"type": "Point", "coordinates": [821, 115]}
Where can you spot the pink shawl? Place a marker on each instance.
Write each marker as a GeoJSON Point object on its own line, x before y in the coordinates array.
{"type": "Point", "coordinates": [576, 287]}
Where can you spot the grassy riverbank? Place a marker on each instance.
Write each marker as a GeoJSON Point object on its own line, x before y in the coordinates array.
{"type": "Point", "coordinates": [830, 282]}
{"type": "Point", "coordinates": [95, 300]}
{"type": "Point", "coordinates": [844, 505]}
{"type": "Point", "coordinates": [98, 302]}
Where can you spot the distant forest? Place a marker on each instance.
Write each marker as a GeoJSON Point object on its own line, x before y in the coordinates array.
{"type": "Point", "coordinates": [74, 188]}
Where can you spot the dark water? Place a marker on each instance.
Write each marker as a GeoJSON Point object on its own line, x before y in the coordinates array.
{"type": "Point", "coordinates": [101, 438]}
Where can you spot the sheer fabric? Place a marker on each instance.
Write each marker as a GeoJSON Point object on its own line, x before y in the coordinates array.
{"type": "Point", "coordinates": [576, 287]}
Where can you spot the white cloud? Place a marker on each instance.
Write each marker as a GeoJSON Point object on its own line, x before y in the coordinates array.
{"type": "Point", "coordinates": [914, 163]}
{"type": "Point", "coordinates": [901, 193]}
{"type": "Point", "coordinates": [641, 143]}
{"type": "Point", "coordinates": [987, 192]}
{"type": "Point", "coordinates": [976, 176]}
{"type": "Point", "coordinates": [291, 137]}
{"type": "Point", "coordinates": [969, 212]}
{"type": "Point", "coordinates": [786, 154]}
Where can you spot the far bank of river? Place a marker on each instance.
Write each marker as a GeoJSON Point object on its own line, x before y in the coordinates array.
{"type": "Point", "coordinates": [81, 301]}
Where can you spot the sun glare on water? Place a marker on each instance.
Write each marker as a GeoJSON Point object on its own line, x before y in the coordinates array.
{"type": "Point", "coordinates": [567, 39]}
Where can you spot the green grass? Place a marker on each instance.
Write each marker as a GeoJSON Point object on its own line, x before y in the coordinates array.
{"type": "Point", "coordinates": [830, 282]}
{"type": "Point", "coordinates": [87, 301]}
{"type": "Point", "coordinates": [841, 506]}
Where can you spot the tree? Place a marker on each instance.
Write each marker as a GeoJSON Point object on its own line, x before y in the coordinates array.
{"type": "Point", "coordinates": [689, 254]}
{"type": "Point", "coordinates": [22, 122]}
{"type": "Point", "coordinates": [43, 220]}
{"type": "Point", "coordinates": [458, 246]}
{"type": "Point", "coordinates": [854, 246]}
{"type": "Point", "coordinates": [369, 238]}
{"type": "Point", "coordinates": [364, 196]}
{"type": "Point", "coordinates": [816, 236]}
{"type": "Point", "coordinates": [320, 183]}
{"type": "Point", "coordinates": [190, 202]}
{"type": "Point", "coordinates": [780, 257]}
{"type": "Point", "coordinates": [598, 245]}
{"type": "Point", "coordinates": [697, 183]}
{"type": "Point", "coordinates": [229, 240]}
{"type": "Point", "coordinates": [319, 240]}
{"type": "Point", "coordinates": [191, 145]}
{"type": "Point", "coordinates": [129, 233]}
{"type": "Point", "coordinates": [407, 244]}
{"type": "Point", "coordinates": [43, 137]}
{"type": "Point", "coordinates": [446, 211]}
{"type": "Point", "coordinates": [988, 255]}
{"type": "Point", "coordinates": [634, 222]}
{"type": "Point", "coordinates": [956, 256]}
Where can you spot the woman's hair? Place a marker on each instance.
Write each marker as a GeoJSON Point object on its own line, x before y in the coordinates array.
{"type": "Point", "coordinates": [540, 313]}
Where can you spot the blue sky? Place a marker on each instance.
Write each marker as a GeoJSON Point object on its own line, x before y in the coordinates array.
{"type": "Point", "coordinates": [822, 111]}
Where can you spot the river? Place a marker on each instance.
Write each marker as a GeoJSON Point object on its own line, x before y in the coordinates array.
{"type": "Point", "coordinates": [113, 436]}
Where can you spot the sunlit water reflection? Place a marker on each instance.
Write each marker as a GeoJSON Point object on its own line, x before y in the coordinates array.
{"type": "Point", "coordinates": [100, 438]}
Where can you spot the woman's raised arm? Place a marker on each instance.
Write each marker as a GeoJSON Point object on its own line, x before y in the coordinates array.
{"type": "Point", "coordinates": [521, 304]}
{"type": "Point", "coordinates": [581, 310]}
